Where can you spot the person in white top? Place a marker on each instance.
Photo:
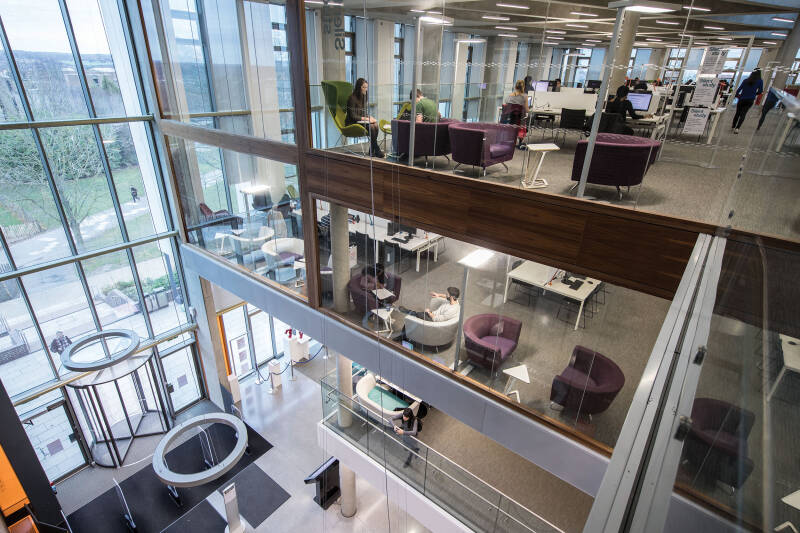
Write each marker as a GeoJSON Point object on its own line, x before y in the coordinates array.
{"type": "Point", "coordinates": [443, 312]}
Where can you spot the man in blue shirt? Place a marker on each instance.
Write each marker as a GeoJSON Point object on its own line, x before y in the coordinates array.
{"type": "Point", "coordinates": [747, 93]}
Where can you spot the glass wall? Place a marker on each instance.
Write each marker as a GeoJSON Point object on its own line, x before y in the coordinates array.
{"type": "Point", "coordinates": [85, 240]}
{"type": "Point", "coordinates": [546, 338]}
{"type": "Point", "coordinates": [682, 154]}
{"type": "Point", "coordinates": [223, 64]}
{"type": "Point", "coordinates": [248, 335]}
{"type": "Point", "coordinates": [243, 208]}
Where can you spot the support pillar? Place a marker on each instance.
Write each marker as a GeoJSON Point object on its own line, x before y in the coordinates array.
{"type": "Point", "coordinates": [786, 55]}
{"type": "Point", "coordinates": [344, 374]}
{"type": "Point", "coordinates": [333, 59]}
{"type": "Point", "coordinates": [627, 36]}
{"type": "Point", "coordinates": [347, 486]}
{"type": "Point", "coordinates": [492, 77]}
{"type": "Point", "coordinates": [340, 250]}
{"type": "Point", "coordinates": [431, 60]}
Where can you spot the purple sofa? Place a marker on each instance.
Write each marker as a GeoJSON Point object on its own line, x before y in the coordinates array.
{"type": "Point", "coordinates": [482, 144]}
{"type": "Point", "coordinates": [618, 160]}
{"type": "Point", "coordinates": [365, 300]}
{"type": "Point", "coordinates": [717, 441]}
{"type": "Point", "coordinates": [430, 138]}
{"type": "Point", "coordinates": [491, 339]}
{"type": "Point", "coordinates": [589, 384]}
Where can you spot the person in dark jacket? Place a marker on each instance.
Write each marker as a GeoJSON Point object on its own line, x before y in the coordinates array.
{"type": "Point", "coordinates": [747, 93]}
{"type": "Point", "coordinates": [622, 106]}
{"type": "Point", "coordinates": [407, 427]}
{"type": "Point", "coordinates": [769, 103]}
{"type": "Point", "coordinates": [358, 113]}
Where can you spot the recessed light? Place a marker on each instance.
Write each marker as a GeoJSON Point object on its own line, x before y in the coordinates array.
{"type": "Point", "coordinates": [593, 41]}
{"type": "Point", "coordinates": [412, 10]}
{"type": "Point", "coordinates": [653, 40]}
{"type": "Point", "coordinates": [643, 6]}
{"type": "Point", "coordinates": [702, 44]}
{"type": "Point", "coordinates": [685, 35]}
{"type": "Point", "coordinates": [441, 21]}
{"type": "Point", "coordinates": [724, 38]}
{"type": "Point", "coordinates": [587, 44]}
{"type": "Point", "coordinates": [554, 37]}
{"type": "Point", "coordinates": [695, 8]}
{"type": "Point", "coordinates": [576, 25]}
{"type": "Point", "coordinates": [511, 28]}
{"type": "Point", "coordinates": [333, 4]}
{"type": "Point", "coordinates": [471, 41]}
{"type": "Point", "coordinates": [493, 17]}
{"type": "Point", "coordinates": [555, 31]}
{"type": "Point", "coordinates": [778, 34]}
{"type": "Point", "coordinates": [769, 42]}
{"type": "Point", "coordinates": [781, 19]}
{"type": "Point", "coordinates": [434, 13]}
{"type": "Point", "coordinates": [581, 14]}
{"type": "Point", "coordinates": [548, 42]}
{"type": "Point", "coordinates": [714, 27]}
{"type": "Point", "coordinates": [670, 22]}
{"type": "Point", "coordinates": [507, 35]}
{"type": "Point", "coordinates": [512, 6]}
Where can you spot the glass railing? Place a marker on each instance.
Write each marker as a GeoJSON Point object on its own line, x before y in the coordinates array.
{"type": "Point", "coordinates": [467, 498]}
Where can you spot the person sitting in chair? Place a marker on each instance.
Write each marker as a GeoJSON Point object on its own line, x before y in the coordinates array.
{"type": "Point", "coordinates": [444, 312]}
{"type": "Point", "coordinates": [426, 108]}
{"type": "Point", "coordinates": [622, 106]}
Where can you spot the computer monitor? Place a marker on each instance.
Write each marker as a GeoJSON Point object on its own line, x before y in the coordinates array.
{"type": "Point", "coordinates": [640, 101]}
{"type": "Point", "coordinates": [593, 84]}
{"type": "Point", "coordinates": [540, 86]}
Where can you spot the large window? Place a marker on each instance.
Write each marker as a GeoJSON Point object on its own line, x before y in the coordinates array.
{"type": "Point", "coordinates": [87, 196]}
{"type": "Point", "coordinates": [248, 335]}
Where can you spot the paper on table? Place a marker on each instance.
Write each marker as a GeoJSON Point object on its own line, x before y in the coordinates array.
{"type": "Point", "coordinates": [382, 294]}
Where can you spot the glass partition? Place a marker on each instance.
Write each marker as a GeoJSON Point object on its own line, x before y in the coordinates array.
{"type": "Point", "coordinates": [667, 144]}
{"type": "Point", "coordinates": [564, 345]}
{"type": "Point", "coordinates": [223, 64]}
{"type": "Point", "coordinates": [243, 208]}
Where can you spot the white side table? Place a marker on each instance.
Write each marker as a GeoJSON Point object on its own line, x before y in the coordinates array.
{"type": "Point", "coordinates": [386, 316]}
{"type": "Point", "coordinates": [535, 182]}
{"type": "Point", "coordinates": [518, 372]}
{"type": "Point", "coordinates": [791, 359]}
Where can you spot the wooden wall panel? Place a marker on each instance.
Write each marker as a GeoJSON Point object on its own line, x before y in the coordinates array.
{"type": "Point", "coordinates": [630, 248]}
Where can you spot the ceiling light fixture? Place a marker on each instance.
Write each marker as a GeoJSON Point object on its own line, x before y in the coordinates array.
{"type": "Point", "coordinates": [554, 37]}
{"type": "Point", "coordinates": [587, 44]}
{"type": "Point", "coordinates": [507, 35]}
{"type": "Point", "coordinates": [439, 21]}
{"type": "Point", "coordinates": [581, 14]}
{"type": "Point", "coordinates": [593, 41]}
{"type": "Point", "coordinates": [412, 10]}
{"type": "Point", "coordinates": [555, 31]}
{"type": "Point", "coordinates": [510, 28]}
{"type": "Point", "coordinates": [645, 6]}
{"type": "Point", "coordinates": [701, 44]}
{"type": "Point", "coordinates": [713, 27]}
{"type": "Point", "coordinates": [438, 13]}
{"type": "Point", "coordinates": [778, 34]}
{"type": "Point", "coordinates": [512, 6]}
{"type": "Point", "coordinates": [695, 8]}
{"type": "Point", "coordinates": [493, 17]}
{"type": "Point", "coordinates": [548, 42]}
{"type": "Point", "coordinates": [670, 22]}
{"type": "Point", "coordinates": [471, 41]}
{"type": "Point", "coordinates": [724, 38]}
{"type": "Point", "coordinates": [653, 40]}
{"type": "Point", "coordinates": [781, 19]}
{"type": "Point", "coordinates": [576, 25]}
{"type": "Point", "coordinates": [332, 4]}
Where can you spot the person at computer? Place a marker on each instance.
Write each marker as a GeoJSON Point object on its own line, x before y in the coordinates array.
{"type": "Point", "coordinates": [358, 113]}
{"type": "Point", "coordinates": [747, 93]}
{"type": "Point", "coordinates": [557, 85]}
{"type": "Point", "coordinates": [528, 84]}
{"type": "Point", "coordinates": [639, 85]}
{"type": "Point", "coordinates": [623, 107]}
{"type": "Point", "coordinates": [444, 312]}
{"type": "Point", "coordinates": [426, 108]}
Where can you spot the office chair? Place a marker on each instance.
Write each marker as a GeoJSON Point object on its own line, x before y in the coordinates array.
{"type": "Point", "coordinates": [574, 120]}
{"type": "Point", "coordinates": [336, 94]}
{"type": "Point", "coordinates": [386, 126]}
{"type": "Point", "coordinates": [609, 123]}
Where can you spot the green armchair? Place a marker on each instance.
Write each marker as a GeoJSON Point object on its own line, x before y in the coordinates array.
{"type": "Point", "coordinates": [336, 94]}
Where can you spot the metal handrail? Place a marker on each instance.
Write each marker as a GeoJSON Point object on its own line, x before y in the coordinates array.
{"type": "Point", "coordinates": [427, 462]}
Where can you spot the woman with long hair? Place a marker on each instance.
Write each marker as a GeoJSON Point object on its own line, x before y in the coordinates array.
{"type": "Point", "coordinates": [358, 113]}
{"type": "Point", "coordinates": [747, 93]}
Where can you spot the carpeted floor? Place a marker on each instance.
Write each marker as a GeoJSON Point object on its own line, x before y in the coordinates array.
{"type": "Point", "coordinates": [692, 179]}
{"type": "Point", "coordinates": [146, 495]}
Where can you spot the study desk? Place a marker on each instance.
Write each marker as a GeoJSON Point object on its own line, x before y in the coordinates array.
{"type": "Point", "coordinates": [415, 245]}
{"type": "Point", "coordinates": [793, 121]}
{"type": "Point", "coordinates": [544, 277]}
{"type": "Point", "coordinates": [657, 123]}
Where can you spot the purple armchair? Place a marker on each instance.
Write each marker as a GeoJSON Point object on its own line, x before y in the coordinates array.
{"type": "Point", "coordinates": [717, 442]}
{"type": "Point", "coordinates": [482, 144]}
{"type": "Point", "coordinates": [364, 300]}
{"type": "Point", "coordinates": [589, 384]}
{"type": "Point", "coordinates": [430, 138]}
{"type": "Point", "coordinates": [491, 339]}
{"type": "Point", "coordinates": [618, 160]}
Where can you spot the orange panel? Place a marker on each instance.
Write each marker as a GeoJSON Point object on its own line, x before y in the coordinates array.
{"type": "Point", "coordinates": [12, 495]}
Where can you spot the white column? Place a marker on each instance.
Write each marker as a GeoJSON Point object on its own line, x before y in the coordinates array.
{"type": "Point", "coordinates": [347, 485]}
{"type": "Point", "coordinates": [623, 52]}
{"type": "Point", "coordinates": [786, 55]}
{"type": "Point", "coordinates": [381, 89]}
{"type": "Point", "coordinates": [344, 374]}
{"type": "Point", "coordinates": [459, 77]}
{"type": "Point", "coordinates": [340, 246]}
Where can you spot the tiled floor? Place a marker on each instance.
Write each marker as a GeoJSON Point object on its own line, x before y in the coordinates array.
{"type": "Point", "coordinates": [287, 419]}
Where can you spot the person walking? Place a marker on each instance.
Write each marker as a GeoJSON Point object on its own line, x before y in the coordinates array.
{"type": "Point", "coordinates": [747, 93]}
{"type": "Point", "coordinates": [407, 428]}
{"type": "Point", "coordinates": [134, 194]}
{"type": "Point", "coordinates": [60, 342]}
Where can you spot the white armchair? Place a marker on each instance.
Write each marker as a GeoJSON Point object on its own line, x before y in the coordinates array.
{"type": "Point", "coordinates": [282, 252]}
{"type": "Point", "coordinates": [431, 334]}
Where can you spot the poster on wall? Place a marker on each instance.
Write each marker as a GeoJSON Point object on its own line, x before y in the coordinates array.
{"type": "Point", "coordinates": [713, 60]}
{"type": "Point", "coordinates": [696, 121]}
{"type": "Point", "coordinates": [705, 91]}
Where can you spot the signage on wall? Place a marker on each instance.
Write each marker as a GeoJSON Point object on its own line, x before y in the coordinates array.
{"type": "Point", "coordinates": [705, 91]}
{"type": "Point", "coordinates": [696, 120]}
